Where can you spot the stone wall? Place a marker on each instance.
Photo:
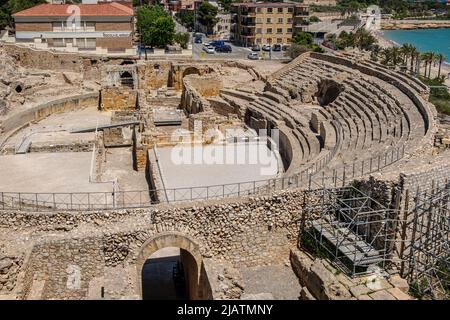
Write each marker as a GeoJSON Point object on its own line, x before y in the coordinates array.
{"type": "Point", "coordinates": [321, 281]}
{"type": "Point", "coordinates": [154, 74]}
{"type": "Point", "coordinates": [245, 232]}
{"type": "Point", "coordinates": [207, 86]}
{"type": "Point", "coordinates": [424, 180]}
{"type": "Point", "coordinates": [39, 112]}
{"type": "Point", "coordinates": [192, 100]}
{"type": "Point", "coordinates": [120, 98]}
{"type": "Point", "coordinates": [89, 66]}
{"type": "Point", "coordinates": [70, 264]}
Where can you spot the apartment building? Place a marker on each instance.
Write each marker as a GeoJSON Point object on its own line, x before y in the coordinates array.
{"type": "Point", "coordinates": [100, 27]}
{"type": "Point", "coordinates": [266, 22]}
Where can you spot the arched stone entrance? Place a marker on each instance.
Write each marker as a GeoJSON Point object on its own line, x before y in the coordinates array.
{"type": "Point", "coordinates": [190, 70]}
{"type": "Point", "coordinates": [190, 256]}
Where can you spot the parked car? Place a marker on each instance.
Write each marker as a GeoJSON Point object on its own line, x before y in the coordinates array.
{"type": "Point", "coordinates": [253, 56]}
{"type": "Point", "coordinates": [224, 48]}
{"type": "Point", "coordinates": [217, 43]}
{"type": "Point", "coordinates": [276, 47]}
{"type": "Point", "coordinates": [209, 49]}
{"type": "Point", "coordinates": [198, 40]}
{"type": "Point", "coordinates": [256, 48]}
{"type": "Point", "coordinates": [266, 47]}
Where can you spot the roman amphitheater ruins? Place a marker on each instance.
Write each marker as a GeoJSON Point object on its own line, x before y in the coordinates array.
{"type": "Point", "coordinates": [355, 207]}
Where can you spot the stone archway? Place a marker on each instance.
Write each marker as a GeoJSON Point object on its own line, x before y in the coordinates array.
{"type": "Point", "coordinates": [190, 253]}
{"type": "Point", "coordinates": [190, 70]}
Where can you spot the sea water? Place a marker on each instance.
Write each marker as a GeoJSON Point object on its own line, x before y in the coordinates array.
{"type": "Point", "coordinates": [435, 40]}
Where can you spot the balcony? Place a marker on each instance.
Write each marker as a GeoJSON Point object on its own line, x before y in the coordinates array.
{"type": "Point", "coordinates": [71, 29]}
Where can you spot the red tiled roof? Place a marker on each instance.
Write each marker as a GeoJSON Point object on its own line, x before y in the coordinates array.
{"type": "Point", "coordinates": [61, 10]}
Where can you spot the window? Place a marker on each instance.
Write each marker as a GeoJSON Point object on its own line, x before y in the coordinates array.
{"type": "Point", "coordinates": [259, 10]}
{"type": "Point", "coordinates": [90, 26]}
{"type": "Point", "coordinates": [289, 20]}
{"type": "Point", "coordinates": [57, 26]}
{"type": "Point", "coordinates": [269, 30]}
{"type": "Point", "coordinates": [59, 42]}
{"type": "Point", "coordinates": [279, 40]}
{"type": "Point", "coordinates": [258, 40]}
{"type": "Point", "coordinates": [289, 30]}
{"type": "Point", "coordinates": [280, 20]}
{"type": "Point", "coordinates": [259, 30]}
{"type": "Point", "coordinates": [269, 10]}
{"type": "Point", "coordinates": [280, 10]}
{"type": "Point", "coordinates": [259, 20]}
{"type": "Point", "coordinates": [290, 9]}
{"type": "Point", "coordinates": [269, 20]}
{"type": "Point", "coordinates": [87, 44]}
{"type": "Point", "coordinates": [280, 30]}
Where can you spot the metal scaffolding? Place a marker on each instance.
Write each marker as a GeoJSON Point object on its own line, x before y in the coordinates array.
{"type": "Point", "coordinates": [350, 228]}
{"type": "Point", "coordinates": [427, 258]}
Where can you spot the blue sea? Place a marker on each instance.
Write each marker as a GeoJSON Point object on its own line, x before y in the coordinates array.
{"type": "Point", "coordinates": [436, 40]}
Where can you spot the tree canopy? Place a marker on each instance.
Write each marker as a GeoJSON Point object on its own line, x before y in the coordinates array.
{"type": "Point", "coordinates": [9, 7]}
{"type": "Point", "coordinates": [156, 27]}
{"type": "Point", "coordinates": [207, 15]}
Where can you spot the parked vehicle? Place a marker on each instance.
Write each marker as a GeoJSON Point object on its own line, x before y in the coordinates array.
{"type": "Point", "coordinates": [276, 47]}
{"type": "Point", "coordinates": [253, 56]}
{"type": "Point", "coordinates": [198, 40]}
{"type": "Point", "coordinates": [209, 49]}
{"type": "Point", "coordinates": [256, 48]}
{"type": "Point", "coordinates": [266, 47]}
{"type": "Point", "coordinates": [224, 48]}
{"type": "Point", "coordinates": [217, 43]}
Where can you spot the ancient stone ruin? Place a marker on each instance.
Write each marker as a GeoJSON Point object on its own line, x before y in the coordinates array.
{"type": "Point", "coordinates": [344, 214]}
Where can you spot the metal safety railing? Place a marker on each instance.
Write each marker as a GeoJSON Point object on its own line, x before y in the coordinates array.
{"type": "Point", "coordinates": [143, 198]}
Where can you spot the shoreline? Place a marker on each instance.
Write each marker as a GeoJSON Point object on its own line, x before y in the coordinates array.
{"type": "Point", "coordinates": [413, 24]}
{"type": "Point", "coordinates": [388, 43]}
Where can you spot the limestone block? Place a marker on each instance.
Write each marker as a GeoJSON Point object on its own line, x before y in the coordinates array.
{"type": "Point", "coordinates": [399, 294]}
{"type": "Point", "coordinates": [359, 290]}
{"type": "Point", "coordinates": [381, 295]}
{"type": "Point", "coordinates": [399, 283]}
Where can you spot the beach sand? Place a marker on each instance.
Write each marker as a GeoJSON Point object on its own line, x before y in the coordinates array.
{"type": "Point", "coordinates": [386, 43]}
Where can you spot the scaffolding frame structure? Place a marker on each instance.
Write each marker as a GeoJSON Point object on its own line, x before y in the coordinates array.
{"type": "Point", "coordinates": [426, 262]}
{"type": "Point", "coordinates": [350, 228]}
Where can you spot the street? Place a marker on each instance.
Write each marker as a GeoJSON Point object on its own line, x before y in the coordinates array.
{"type": "Point", "coordinates": [237, 53]}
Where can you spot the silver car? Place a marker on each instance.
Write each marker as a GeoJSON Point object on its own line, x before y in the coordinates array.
{"type": "Point", "coordinates": [209, 49]}
{"type": "Point", "coordinates": [253, 56]}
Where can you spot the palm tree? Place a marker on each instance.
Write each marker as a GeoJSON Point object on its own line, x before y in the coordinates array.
{"type": "Point", "coordinates": [425, 58]}
{"type": "Point", "coordinates": [376, 50]}
{"type": "Point", "coordinates": [441, 58]}
{"type": "Point", "coordinates": [395, 55]}
{"type": "Point", "coordinates": [404, 52]}
{"type": "Point", "coordinates": [432, 59]}
{"type": "Point", "coordinates": [387, 56]}
{"type": "Point", "coordinates": [414, 54]}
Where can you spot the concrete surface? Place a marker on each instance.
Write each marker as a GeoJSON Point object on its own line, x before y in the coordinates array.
{"type": "Point", "coordinates": [55, 129]}
{"type": "Point", "coordinates": [183, 172]}
{"type": "Point", "coordinates": [48, 172]}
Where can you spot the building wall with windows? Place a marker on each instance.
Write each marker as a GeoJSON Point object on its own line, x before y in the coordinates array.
{"type": "Point", "coordinates": [267, 23]}
{"type": "Point", "coordinates": [101, 27]}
